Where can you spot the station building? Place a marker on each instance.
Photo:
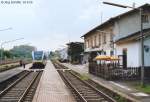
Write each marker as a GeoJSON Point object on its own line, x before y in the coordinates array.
{"type": "Point", "coordinates": [120, 36]}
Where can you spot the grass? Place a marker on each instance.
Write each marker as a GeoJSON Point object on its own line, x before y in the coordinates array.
{"type": "Point", "coordinates": [145, 89]}
{"type": "Point", "coordinates": [8, 66]}
{"type": "Point", "coordinates": [84, 77]}
{"type": "Point", "coordinates": [137, 85]}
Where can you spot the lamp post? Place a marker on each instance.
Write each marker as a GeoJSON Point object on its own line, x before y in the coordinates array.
{"type": "Point", "coordinates": [141, 36]}
{"type": "Point", "coordinates": [5, 42]}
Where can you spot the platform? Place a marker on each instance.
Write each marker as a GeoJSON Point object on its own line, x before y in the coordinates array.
{"type": "Point", "coordinates": [11, 72]}
{"type": "Point", "coordinates": [51, 87]}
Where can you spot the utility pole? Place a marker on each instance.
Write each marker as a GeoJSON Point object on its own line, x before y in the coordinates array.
{"type": "Point", "coordinates": [142, 48]}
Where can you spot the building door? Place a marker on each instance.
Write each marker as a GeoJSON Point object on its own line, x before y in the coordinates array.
{"type": "Point", "coordinates": [124, 58]}
{"type": "Point", "coordinates": [92, 56]}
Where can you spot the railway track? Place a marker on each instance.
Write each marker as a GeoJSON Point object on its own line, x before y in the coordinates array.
{"type": "Point", "coordinates": [57, 66]}
{"type": "Point", "coordinates": [22, 90]}
{"type": "Point", "coordinates": [82, 91]}
{"type": "Point", "coordinates": [7, 82]}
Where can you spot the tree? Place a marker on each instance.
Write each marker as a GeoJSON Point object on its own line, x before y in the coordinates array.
{"type": "Point", "coordinates": [7, 54]}
{"type": "Point", "coordinates": [22, 51]}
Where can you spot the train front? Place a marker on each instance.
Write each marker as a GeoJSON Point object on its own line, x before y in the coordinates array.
{"type": "Point", "coordinates": [38, 59]}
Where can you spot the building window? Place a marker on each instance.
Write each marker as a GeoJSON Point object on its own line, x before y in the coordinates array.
{"type": "Point", "coordinates": [91, 42]}
{"type": "Point", "coordinates": [85, 44]}
{"type": "Point", "coordinates": [145, 18]}
{"type": "Point", "coordinates": [104, 38]}
{"type": "Point", "coordinates": [88, 43]}
{"type": "Point", "coordinates": [104, 52]}
{"type": "Point", "coordinates": [99, 39]}
{"type": "Point", "coordinates": [95, 42]}
{"type": "Point", "coordinates": [146, 48]}
{"type": "Point", "coordinates": [111, 37]}
{"type": "Point", "coordinates": [111, 53]}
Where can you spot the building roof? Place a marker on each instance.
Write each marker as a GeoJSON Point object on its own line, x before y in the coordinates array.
{"type": "Point", "coordinates": [74, 43]}
{"type": "Point", "coordinates": [111, 20]}
{"type": "Point", "coordinates": [100, 26]}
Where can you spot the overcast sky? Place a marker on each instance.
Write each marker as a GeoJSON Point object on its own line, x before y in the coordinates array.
{"type": "Point", "coordinates": [50, 24]}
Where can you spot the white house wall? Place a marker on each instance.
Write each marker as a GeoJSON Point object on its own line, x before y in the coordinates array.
{"type": "Point", "coordinates": [129, 24]}
{"type": "Point", "coordinates": [133, 53]}
{"type": "Point", "coordinates": [147, 53]}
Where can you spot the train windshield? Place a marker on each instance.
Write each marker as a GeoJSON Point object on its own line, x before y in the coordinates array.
{"type": "Point", "coordinates": [38, 55]}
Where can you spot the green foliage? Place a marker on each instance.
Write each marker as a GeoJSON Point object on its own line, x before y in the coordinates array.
{"type": "Point", "coordinates": [120, 99]}
{"type": "Point", "coordinates": [7, 67]}
{"type": "Point", "coordinates": [18, 52]}
{"type": "Point", "coordinates": [7, 54]}
{"type": "Point", "coordinates": [84, 77]}
{"type": "Point", "coordinates": [22, 51]}
{"type": "Point", "coordinates": [145, 89]}
{"type": "Point", "coordinates": [54, 55]}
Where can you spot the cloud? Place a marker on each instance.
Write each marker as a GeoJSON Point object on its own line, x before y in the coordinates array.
{"type": "Point", "coordinates": [50, 41]}
{"type": "Point", "coordinates": [89, 12]}
{"type": "Point", "coordinates": [50, 23]}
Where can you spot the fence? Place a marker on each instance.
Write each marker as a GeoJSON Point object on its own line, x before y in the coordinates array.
{"type": "Point", "coordinates": [114, 72]}
{"type": "Point", "coordinates": [8, 61]}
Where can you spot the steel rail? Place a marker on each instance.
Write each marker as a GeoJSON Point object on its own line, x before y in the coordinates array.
{"type": "Point", "coordinates": [105, 96]}
{"type": "Point", "coordinates": [28, 88]}
{"type": "Point", "coordinates": [73, 87]}
{"type": "Point", "coordinates": [13, 84]}
{"type": "Point", "coordinates": [98, 91]}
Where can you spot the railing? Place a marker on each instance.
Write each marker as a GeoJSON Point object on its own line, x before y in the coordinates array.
{"type": "Point", "coordinates": [114, 72]}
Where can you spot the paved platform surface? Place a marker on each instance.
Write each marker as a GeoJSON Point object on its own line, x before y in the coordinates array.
{"type": "Point", "coordinates": [9, 73]}
{"type": "Point", "coordinates": [51, 87]}
{"type": "Point", "coordinates": [118, 87]}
